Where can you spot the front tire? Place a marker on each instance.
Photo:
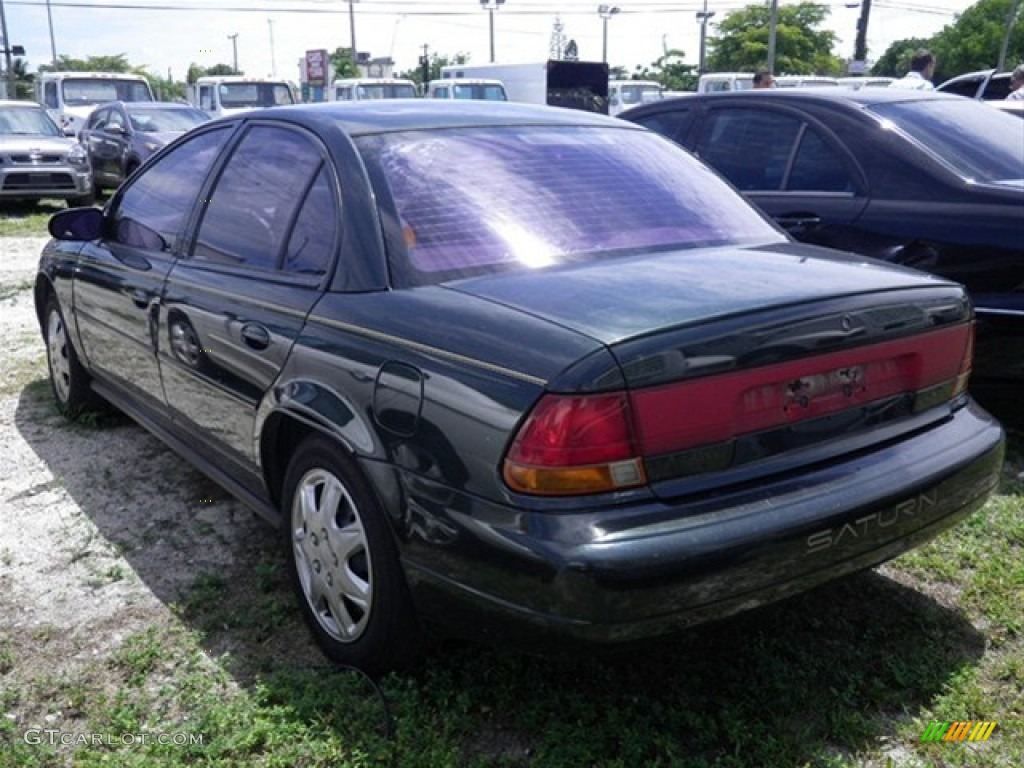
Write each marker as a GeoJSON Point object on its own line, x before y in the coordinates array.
{"type": "Point", "coordinates": [68, 379]}
{"type": "Point", "coordinates": [343, 562]}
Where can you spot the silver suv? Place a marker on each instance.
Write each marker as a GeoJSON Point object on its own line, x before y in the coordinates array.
{"type": "Point", "coordinates": [37, 161]}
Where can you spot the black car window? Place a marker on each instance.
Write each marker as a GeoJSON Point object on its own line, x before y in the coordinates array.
{"type": "Point", "coordinates": [98, 119]}
{"type": "Point", "coordinates": [750, 147]}
{"type": "Point", "coordinates": [967, 87]}
{"type": "Point", "coordinates": [668, 124]}
{"type": "Point", "coordinates": [116, 120]}
{"type": "Point", "coordinates": [152, 209]}
{"type": "Point", "coordinates": [309, 247]}
{"type": "Point", "coordinates": [818, 167]}
{"type": "Point", "coordinates": [256, 198]}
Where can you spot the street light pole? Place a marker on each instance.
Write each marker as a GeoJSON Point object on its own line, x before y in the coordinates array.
{"type": "Point", "coordinates": [606, 12]}
{"type": "Point", "coordinates": [491, 6]}
{"type": "Point", "coordinates": [234, 49]}
{"type": "Point", "coordinates": [703, 17]}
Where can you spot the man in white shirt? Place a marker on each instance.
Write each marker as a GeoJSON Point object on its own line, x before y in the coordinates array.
{"type": "Point", "coordinates": [919, 78]}
{"type": "Point", "coordinates": [1016, 84]}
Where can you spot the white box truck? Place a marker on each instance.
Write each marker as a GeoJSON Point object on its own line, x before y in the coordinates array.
{"type": "Point", "coordinates": [371, 88]}
{"type": "Point", "coordinates": [230, 94]}
{"type": "Point", "coordinates": [573, 84]}
{"type": "Point", "coordinates": [70, 97]}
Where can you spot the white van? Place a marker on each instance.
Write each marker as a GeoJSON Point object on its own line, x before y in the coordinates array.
{"type": "Point", "coordinates": [70, 97]}
{"type": "Point", "coordinates": [474, 88]}
{"type": "Point", "coordinates": [623, 94]}
{"type": "Point", "coordinates": [712, 82]}
{"type": "Point", "coordinates": [230, 94]}
{"type": "Point", "coordinates": [363, 88]}
{"type": "Point", "coordinates": [804, 81]}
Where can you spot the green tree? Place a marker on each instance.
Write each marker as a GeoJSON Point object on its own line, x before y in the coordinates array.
{"type": "Point", "coordinates": [342, 64]}
{"type": "Point", "coordinates": [671, 71]}
{"type": "Point", "coordinates": [434, 62]}
{"type": "Point", "coordinates": [65, 63]}
{"type": "Point", "coordinates": [973, 41]}
{"type": "Point", "coordinates": [801, 46]}
{"type": "Point", "coordinates": [23, 79]}
{"type": "Point", "coordinates": [195, 71]}
{"type": "Point", "coordinates": [896, 60]}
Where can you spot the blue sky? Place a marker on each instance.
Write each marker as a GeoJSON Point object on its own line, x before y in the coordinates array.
{"type": "Point", "coordinates": [154, 34]}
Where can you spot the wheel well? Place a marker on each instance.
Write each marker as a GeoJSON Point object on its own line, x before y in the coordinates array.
{"type": "Point", "coordinates": [280, 437]}
{"type": "Point", "coordinates": [43, 290]}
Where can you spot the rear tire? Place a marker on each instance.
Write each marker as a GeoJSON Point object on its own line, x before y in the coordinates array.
{"type": "Point", "coordinates": [68, 379]}
{"type": "Point", "coordinates": [343, 562]}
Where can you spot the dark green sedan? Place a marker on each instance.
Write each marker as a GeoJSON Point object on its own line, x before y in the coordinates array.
{"type": "Point", "coordinates": [514, 372]}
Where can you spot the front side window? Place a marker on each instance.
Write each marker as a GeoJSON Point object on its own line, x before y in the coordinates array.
{"type": "Point", "coordinates": [206, 97]}
{"type": "Point", "coordinates": [750, 147]}
{"type": "Point", "coordinates": [480, 200]}
{"type": "Point", "coordinates": [152, 209]}
{"type": "Point", "coordinates": [50, 95]}
{"type": "Point", "coordinates": [256, 199]}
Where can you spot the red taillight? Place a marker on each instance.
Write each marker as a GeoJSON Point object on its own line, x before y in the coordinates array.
{"type": "Point", "coordinates": [573, 444]}
{"type": "Point", "coordinates": [578, 444]}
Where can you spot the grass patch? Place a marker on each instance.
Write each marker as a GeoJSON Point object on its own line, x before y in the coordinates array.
{"type": "Point", "coordinates": [846, 676]}
{"type": "Point", "coordinates": [27, 219]}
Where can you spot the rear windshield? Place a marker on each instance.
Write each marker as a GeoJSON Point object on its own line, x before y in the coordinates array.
{"type": "Point", "coordinates": [979, 145]}
{"type": "Point", "coordinates": [482, 200]}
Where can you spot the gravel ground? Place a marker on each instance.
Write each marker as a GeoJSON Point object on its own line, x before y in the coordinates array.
{"type": "Point", "coordinates": [103, 528]}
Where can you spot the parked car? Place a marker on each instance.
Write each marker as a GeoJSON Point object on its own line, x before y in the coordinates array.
{"type": "Point", "coordinates": [37, 161]}
{"type": "Point", "coordinates": [121, 136]}
{"type": "Point", "coordinates": [482, 389]}
{"type": "Point", "coordinates": [986, 84]}
{"type": "Point", "coordinates": [921, 179]}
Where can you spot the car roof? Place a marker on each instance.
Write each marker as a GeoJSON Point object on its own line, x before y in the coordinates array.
{"type": "Point", "coordinates": [389, 115]}
{"type": "Point", "coordinates": [811, 95]}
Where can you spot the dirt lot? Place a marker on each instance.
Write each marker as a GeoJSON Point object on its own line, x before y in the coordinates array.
{"type": "Point", "coordinates": [105, 532]}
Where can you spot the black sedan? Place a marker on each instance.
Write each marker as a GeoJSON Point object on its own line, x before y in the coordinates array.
{"type": "Point", "coordinates": [516, 372]}
{"type": "Point", "coordinates": [120, 136]}
{"type": "Point", "coordinates": [927, 180]}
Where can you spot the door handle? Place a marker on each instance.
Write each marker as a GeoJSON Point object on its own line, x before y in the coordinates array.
{"type": "Point", "coordinates": [140, 298]}
{"type": "Point", "coordinates": [255, 336]}
{"type": "Point", "coordinates": [799, 222]}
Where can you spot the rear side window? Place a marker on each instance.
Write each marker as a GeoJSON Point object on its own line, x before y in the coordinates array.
{"type": "Point", "coordinates": [312, 239]}
{"type": "Point", "coordinates": [255, 201]}
{"type": "Point", "coordinates": [751, 148]}
{"type": "Point", "coordinates": [500, 198]}
{"type": "Point", "coordinates": [818, 167]}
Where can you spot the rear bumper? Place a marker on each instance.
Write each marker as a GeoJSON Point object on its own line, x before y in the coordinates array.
{"type": "Point", "coordinates": [629, 572]}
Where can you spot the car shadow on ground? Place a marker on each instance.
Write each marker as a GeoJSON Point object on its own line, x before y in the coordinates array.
{"type": "Point", "coordinates": [831, 672]}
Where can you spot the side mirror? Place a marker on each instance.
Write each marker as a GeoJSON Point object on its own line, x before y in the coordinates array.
{"type": "Point", "coordinates": [76, 224]}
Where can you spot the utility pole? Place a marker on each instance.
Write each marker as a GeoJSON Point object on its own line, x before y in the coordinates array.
{"type": "Point", "coordinates": [425, 68]}
{"type": "Point", "coordinates": [1011, 16]}
{"type": "Point", "coordinates": [53, 43]}
{"type": "Point", "coordinates": [771, 36]}
{"type": "Point", "coordinates": [273, 60]}
{"type": "Point", "coordinates": [352, 33]}
{"type": "Point", "coordinates": [860, 46]}
{"type": "Point", "coordinates": [491, 6]}
{"type": "Point", "coordinates": [7, 53]}
{"type": "Point", "coordinates": [703, 17]}
{"type": "Point", "coordinates": [234, 49]}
